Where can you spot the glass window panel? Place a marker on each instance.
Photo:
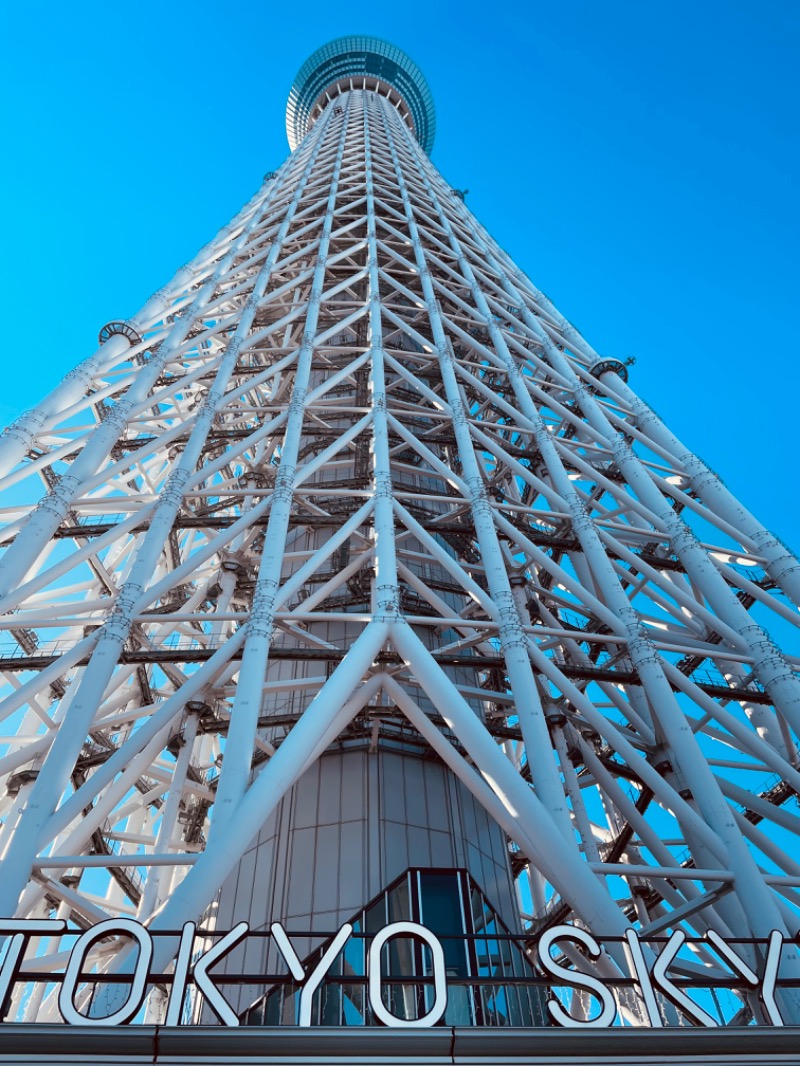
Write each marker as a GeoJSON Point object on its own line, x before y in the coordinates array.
{"type": "Point", "coordinates": [398, 957]}
{"type": "Point", "coordinates": [476, 899]}
{"type": "Point", "coordinates": [436, 898]}
{"type": "Point", "coordinates": [459, 1006]}
{"type": "Point", "coordinates": [328, 1004]}
{"type": "Point", "coordinates": [399, 903]}
{"type": "Point", "coordinates": [440, 907]}
{"type": "Point", "coordinates": [375, 916]}
{"type": "Point", "coordinates": [353, 956]}
{"type": "Point", "coordinates": [353, 1004]}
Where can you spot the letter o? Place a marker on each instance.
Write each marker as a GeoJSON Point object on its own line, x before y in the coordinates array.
{"type": "Point", "coordinates": [376, 979]}
{"type": "Point", "coordinates": [66, 995]}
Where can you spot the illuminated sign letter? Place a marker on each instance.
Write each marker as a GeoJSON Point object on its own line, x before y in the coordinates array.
{"type": "Point", "coordinates": [608, 1011]}
{"type": "Point", "coordinates": [639, 971]}
{"type": "Point", "coordinates": [771, 976]}
{"type": "Point", "coordinates": [203, 982]}
{"type": "Point", "coordinates": [677, 995]}
{"type": "Point", "coordinates": [72, 975]}
{"type": "Point", "coordinates": [22, 928]}
{"type": "Point", "coordinates": [375, 978]}
{"type": "Point", "coordinates": [311, 981]}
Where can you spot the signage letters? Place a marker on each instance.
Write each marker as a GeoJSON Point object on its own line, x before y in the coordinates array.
{"type": "Point", "coordinates": [650, 975]}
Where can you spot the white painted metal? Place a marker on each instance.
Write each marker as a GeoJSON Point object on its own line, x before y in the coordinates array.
{"type": "Point", "coordinates": [359, 468]}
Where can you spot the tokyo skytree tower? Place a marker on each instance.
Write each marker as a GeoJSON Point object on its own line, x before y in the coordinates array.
{"type": "Point", "coordinates": [347, 554]}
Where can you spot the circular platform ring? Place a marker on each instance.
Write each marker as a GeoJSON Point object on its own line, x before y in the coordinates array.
{"type": "Point", "coordinates": [122, 329]}
{"type": "Point", "coordinates": [360, 56]}
{"type": "Point", "coordinates": [614, 366]}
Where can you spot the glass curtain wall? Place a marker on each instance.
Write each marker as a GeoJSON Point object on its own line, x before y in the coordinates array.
{"type": "Point", "coordinates": [489, 977]}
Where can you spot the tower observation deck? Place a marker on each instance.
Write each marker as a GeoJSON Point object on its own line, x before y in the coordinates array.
{"type": "Point", "coordinates": [366, 63]}
{"type": "Point", "coordinates": [347, 584]}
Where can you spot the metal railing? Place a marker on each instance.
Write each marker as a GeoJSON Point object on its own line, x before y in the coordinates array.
{"type": "Point", "coordinates": [508, 988]}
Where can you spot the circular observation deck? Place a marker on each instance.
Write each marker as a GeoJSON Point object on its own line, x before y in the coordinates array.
{"type": "Point", "coordinates": [360, 63]}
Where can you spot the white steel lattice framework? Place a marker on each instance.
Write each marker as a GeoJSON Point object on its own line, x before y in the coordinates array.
{"type": "Point", "coordinates": [351, 408]}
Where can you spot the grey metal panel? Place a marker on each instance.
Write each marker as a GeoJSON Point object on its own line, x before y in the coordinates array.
{"type": "Point", "coordinates": [226, 901]}
{"type": "Point", "coordinates": [419, 847]}
{"type": "Point", "coordinates": [393, 788]}
{"type": "Point", "coordinates": [443, 849]}
{"type": "Point", "coordinates": [395, 851]}
{"type": "Point", "coordinates": [353, 784]}
{"type": "Point", "coordinates": [326, 865]}
{"type": "Point", "coordinates": [299, 899]}
{"type": "Point", "coordinates": [415, 773]}
{"type": "Point", "coordinates": [215, 1046]}
{"type": "Point", "coordinates": [454, 792]}
{"type": "Point", "coordinates": [245, 884]}
{"type": "Point", "coordinates": [467, 812]}
{"type": "Point", "coordinates": [305, 799]}
{"type": "Point", "coordinates": [374, 813]}
{"type": "Point", "coordinates": [352, 879]}
{"type": "Point", "coordinates": [269, 829]}
{"type": "Point", "coordinates": [376, 807]}
{"type": "Point", "coordinates": [264, 876]}
{"type": "Point", "coordinates": [331, 772]}
{"type": "Point", "coordinates": [436, 801]}
{"type": "Point", "coordinates": [475, 864]}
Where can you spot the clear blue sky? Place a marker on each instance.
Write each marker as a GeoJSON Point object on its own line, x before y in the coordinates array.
{"type": "Point", "coordinates": [638, 159]}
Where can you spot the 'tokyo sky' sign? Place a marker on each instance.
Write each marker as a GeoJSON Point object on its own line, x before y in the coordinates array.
{"type": "Point", "coordinates": [648, 968]}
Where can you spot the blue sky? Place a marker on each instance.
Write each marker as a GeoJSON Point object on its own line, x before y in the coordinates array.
{"type": "Point", "coordinates": [638, 160]}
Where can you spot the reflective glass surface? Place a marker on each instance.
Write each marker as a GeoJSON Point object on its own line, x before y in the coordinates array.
{"type": "Point", "coordinates": [353, 56]}
{"type": "Point", "coordinates": [488, 973]}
